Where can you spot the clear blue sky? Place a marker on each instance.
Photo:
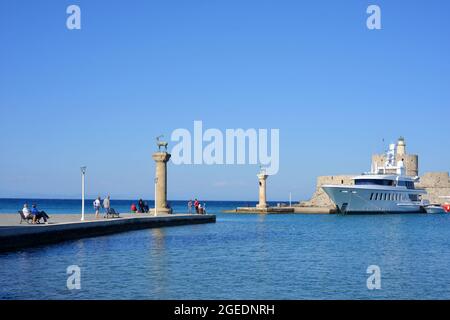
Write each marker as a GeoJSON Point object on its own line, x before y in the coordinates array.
{"type": "Point", "coordinates": [98, 96]}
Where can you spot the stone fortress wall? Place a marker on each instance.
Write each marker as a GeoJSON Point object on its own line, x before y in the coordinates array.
{"type": "Point", "coordinates": [320, 198]}
{"type": "Point", "coordinates": [437, 184]}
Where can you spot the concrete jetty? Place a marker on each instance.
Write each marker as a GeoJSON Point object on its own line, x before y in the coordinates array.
{"type": "Point", "coordinates": [281, 210]}
{"type": "Point", "coordinates": [263, 208]}
{"type": "Point", "coordinates": [62, 227]}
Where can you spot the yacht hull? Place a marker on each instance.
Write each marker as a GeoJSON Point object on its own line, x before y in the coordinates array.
{"type": "Point", "coordinates": [354, 199]}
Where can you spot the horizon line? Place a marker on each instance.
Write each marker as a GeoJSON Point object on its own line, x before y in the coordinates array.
{"type": "Point", "coordinates": [79, 199]}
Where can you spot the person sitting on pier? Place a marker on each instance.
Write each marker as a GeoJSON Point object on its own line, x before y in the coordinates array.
{"type": "Point", "coordinates": [25, 213]}
{"type": "Point", "coordinates": [38, 215]}
{"type": "Point", "coordinates": [196, 204]}
{"type": "Point", "coordinates": [141, 206]}
{"type": "Point", "coordinates": [133, 208]}
{"type": "Point", "coordinates": [146, 207]}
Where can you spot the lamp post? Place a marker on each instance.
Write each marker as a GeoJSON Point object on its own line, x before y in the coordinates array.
{"type": "Point", "coordinates": [83, 173]}
{"type": "Point", "coordinates": [156, 188]}
{"type": "Point", "coordinates": [290, 199]}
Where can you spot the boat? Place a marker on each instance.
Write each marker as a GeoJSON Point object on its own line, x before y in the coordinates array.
{"type": "Point", "coordinates": [446, 205]}
{"type": "Point", "coordinates": [382, 190]}
{"type": "Point", "coordinates": [434, 209]}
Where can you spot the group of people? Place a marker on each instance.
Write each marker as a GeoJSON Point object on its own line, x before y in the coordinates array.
{"type": "Point", "coordinates": [34, 214]}
{"type": "Point", "coordinates": [105, 204]}
{"type": "Point", "coordinates": [199, 208]}
{"type": "Point", "coordinates": [98, 204]}
{"type": "Point", "coordinates": [141, 208]}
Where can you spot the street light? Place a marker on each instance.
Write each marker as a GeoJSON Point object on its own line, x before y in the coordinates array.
{"type": "Point", "coordinates": [156, 184]}
{"type": "Point", "coordinates": [83, 173]}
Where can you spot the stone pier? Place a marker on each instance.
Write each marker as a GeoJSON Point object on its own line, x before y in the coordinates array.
{"type": "Point", "coordinates": [65, 227]}
{"type": "Point", "coordinates": [262, 206]}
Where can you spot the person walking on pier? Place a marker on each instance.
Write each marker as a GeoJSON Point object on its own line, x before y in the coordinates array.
{"type": "Point", "coordinates": [107, 205]}
{"type": "Point", "coordinates": [97, 205]}
{"type": "Point", "coordinates": [190, 206]}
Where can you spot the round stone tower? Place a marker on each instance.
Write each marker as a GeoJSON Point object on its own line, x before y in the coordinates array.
{"type": "Point", "coordinates": [401, 147]}
{"type": "Point", "coordinates": [411, 161]}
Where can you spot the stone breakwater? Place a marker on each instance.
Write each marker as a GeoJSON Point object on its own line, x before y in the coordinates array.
{"type": "Point", "coordinates": [14, 236]}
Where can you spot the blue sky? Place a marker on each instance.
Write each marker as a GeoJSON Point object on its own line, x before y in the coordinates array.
{"type": "Point", "coordinates": [100, 95]}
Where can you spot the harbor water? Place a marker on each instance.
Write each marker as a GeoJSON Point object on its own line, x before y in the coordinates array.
{"type": "Point", "coordinates": [239, 257]}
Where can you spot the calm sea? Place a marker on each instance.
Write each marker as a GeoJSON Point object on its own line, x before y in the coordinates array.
{"type": "Point", "coordinates": [240, 257]}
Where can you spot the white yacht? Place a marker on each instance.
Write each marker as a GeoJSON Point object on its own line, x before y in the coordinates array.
{"type": "Point", "coordinates": [379, 191]}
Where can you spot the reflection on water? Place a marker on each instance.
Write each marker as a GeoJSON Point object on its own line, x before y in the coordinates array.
{"type": "Point", "coordinates": [158, 236]}
{"type": "Point", "coordinates": [159, 261]}
{"type": "Point", "coordinates": [245, 257]}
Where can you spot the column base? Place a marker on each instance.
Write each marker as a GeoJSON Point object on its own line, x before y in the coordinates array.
{"type": "Point", "coordinates": [161, 211]}
{"type": "Point", "coordinates": [262, 206]}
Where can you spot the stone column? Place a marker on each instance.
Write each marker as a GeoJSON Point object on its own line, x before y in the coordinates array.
{"type": "Point", "coordinates": [161, 159]}
{"type": "Point", "coordinates": [262, 177]}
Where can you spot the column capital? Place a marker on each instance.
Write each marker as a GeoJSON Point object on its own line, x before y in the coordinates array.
{"type": "Point", "coordinates": [262, 176]}
{"type": "Point", "coordinates": [161, 156]}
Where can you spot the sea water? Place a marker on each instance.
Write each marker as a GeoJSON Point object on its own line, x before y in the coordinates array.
{"type": "Point", "coordinates": [241, 256]}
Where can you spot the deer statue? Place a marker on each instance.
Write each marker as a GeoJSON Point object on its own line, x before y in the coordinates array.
{"type": "Point", "coordinates": [262, 170]}
{"type": "Point", "coordinates": [160, 143]}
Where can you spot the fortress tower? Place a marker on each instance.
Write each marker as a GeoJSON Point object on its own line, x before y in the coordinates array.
{"type": "Point", "coordinates": [410, 161]}
{"type": "Point", "coordinates": [401, 147]}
